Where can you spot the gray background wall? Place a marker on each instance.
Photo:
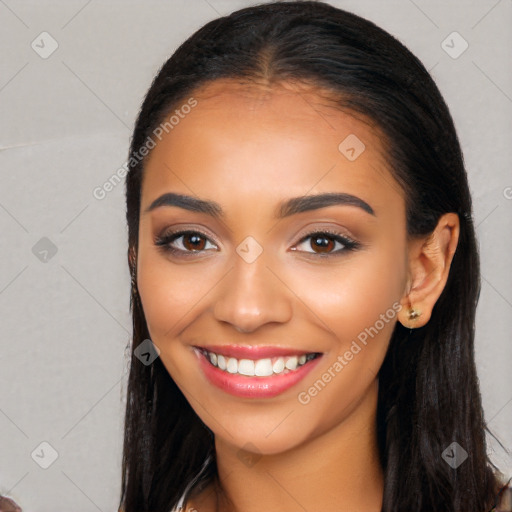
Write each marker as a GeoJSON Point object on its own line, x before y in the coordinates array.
{"type": "Point", "coordinates": [66, 119]}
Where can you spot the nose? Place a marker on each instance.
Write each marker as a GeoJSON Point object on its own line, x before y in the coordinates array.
{"type": "Point", "coordinates": [251, 296]}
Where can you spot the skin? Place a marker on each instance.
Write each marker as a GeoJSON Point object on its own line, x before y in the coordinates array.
{"type": "Point", "coordinates": [248, 148]}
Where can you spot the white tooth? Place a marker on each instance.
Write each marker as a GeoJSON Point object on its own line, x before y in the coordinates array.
{"type": "Point", "coordinates": [263, 368]}
{"type": "Point", "coordinates": [302, 359]}
{"type": "Point", "coordinates": [291, 363]}
{"type": "Point", "coordinates": [232, 366]}
{"type": "Point", "coordinates": [278, 366]}
{"type": "Point", "coordinates": [213, 358]}
{"type": "Point", "coordinates": [221, 362]}
{"type": "Point", "coordinates": [245, 367]}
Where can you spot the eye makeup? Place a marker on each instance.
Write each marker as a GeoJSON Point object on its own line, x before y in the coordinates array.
{"type": "Point", "coordinates": [324, 239]}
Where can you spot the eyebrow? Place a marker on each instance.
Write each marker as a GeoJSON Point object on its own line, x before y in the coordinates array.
{"type": "Point", "coordinates": [287, 208]}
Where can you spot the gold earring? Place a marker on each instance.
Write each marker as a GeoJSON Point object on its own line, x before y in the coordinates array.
{"type": "Point", "coordinates": [414, 313]}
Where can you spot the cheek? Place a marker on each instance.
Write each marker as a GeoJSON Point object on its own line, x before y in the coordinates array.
{"type": "Point", "coordinates": [351, 295]}
{"type": "Point", "coordinates": [355, 303]}
{"type": "Point", "coordinates": [171, 293]}
{"type": "Point", "coordinates": [358, 304]}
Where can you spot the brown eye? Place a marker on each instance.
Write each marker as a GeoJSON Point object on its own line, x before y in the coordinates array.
{"type": "Point", "coordinates": [194, 242]}
{"type": "Point", "coordinates": [327, 244]}
{"type": "Point", "coordinates": [184, 242]}
{"type": "Point", "coordinates": [324, 243]}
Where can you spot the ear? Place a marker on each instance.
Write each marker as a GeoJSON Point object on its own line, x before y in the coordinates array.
{"type": "Point", "coordinates": [430, 258]}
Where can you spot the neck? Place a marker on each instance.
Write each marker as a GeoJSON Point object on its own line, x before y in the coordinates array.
{"type": "Point", "coordinates": [339, 470]}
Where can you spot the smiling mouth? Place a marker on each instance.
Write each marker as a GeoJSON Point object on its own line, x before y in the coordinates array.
{"type": "Point", "coordinates": [264, 367]}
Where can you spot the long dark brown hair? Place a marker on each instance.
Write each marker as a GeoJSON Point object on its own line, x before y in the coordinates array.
{"type": "Point", "coordinates": [428, 387]}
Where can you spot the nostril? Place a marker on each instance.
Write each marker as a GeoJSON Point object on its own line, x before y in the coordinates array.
{"type": "Point", "coordinates": [239, 329]}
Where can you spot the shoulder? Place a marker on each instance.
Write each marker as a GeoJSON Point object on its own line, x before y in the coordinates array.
{"type": "Point", "coordinates": [204, 500]}
{"type": "Point", "coordinates": [503, 502]}
{"type": "Point", "coordinates": [8, 505]}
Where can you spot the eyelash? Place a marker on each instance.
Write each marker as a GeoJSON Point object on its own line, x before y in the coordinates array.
{"type": "Point", "coordinates": [164, 241]}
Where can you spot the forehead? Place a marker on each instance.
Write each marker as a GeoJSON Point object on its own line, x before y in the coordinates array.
{"type": "Point", "coordinates": [249, 139]}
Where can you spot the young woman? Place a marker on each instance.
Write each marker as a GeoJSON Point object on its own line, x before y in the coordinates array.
{"type": "Point", "coordinates": [304, 266]}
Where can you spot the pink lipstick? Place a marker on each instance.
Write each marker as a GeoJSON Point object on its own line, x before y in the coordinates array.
{"type": "Point", "coordinates": [255, 371]}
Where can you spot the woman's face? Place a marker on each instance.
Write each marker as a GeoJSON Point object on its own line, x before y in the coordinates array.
{"type": "Point", "coordinates": [259, 282]}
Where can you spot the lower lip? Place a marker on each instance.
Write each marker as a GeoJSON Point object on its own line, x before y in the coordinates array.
{"type": "Point", "coordinates": [253, 387]}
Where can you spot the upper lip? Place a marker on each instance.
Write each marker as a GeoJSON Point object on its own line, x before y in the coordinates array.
{"type": "Point", "coordinates": [253, 351]}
